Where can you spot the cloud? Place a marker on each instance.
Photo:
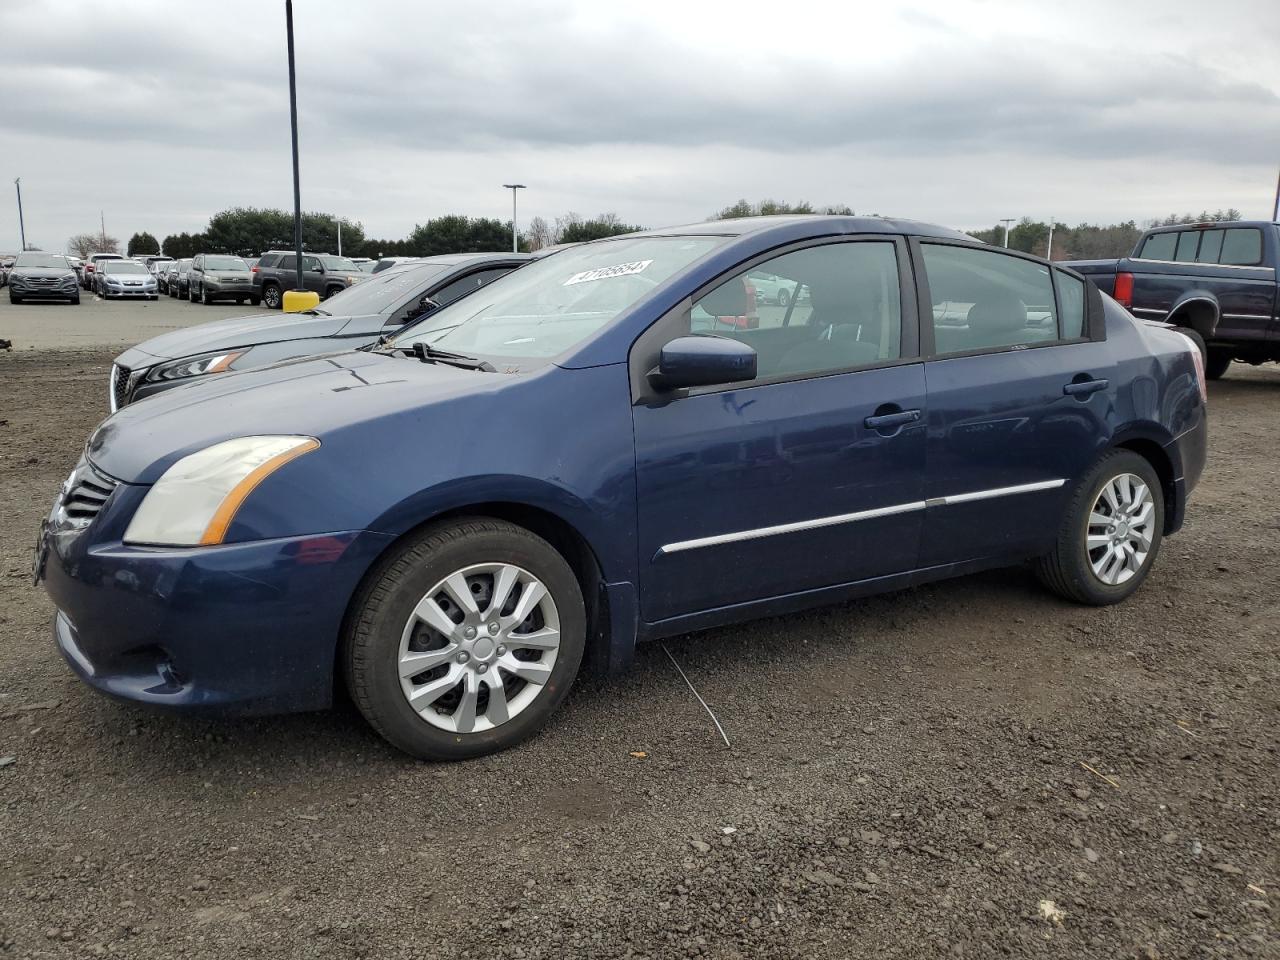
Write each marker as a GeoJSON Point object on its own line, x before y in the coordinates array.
{"type": "Point", "coordinates": [167, 114]}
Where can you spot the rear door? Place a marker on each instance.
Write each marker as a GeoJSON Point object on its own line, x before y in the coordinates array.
{"type": "Point", "coordinates": [1018, 394]}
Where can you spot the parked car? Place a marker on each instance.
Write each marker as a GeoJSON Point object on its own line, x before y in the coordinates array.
{"type": "Point", "coordinates": [125, 279]}
{"type": "Point", "coordinates": [322, 273]}
{"type": "Point", "coordinates": [250, 262]}
{"type": "Point", "coordinates": [42, 276]}
{"type": "Point", "coordinates": [163, 273]}
{"type": "Point", "coordinates": [89, 276]}
{"type": "Point", "coordinates": [178, 280]}
{"type": "Point", "coordinates": [156, 262]}
{"type": "Point", "coordinates": [77, 265]}
{"type": "Point", "coordinates": [771, 288]}
{"type": "Point", "coordinates": [449, 522]}
{"type": "Point", "coordinates": [386, 263]}
{"type": "Point", "coordinates": [215, 276]}
{"type": "Point", "coordinates": [1217, 279]}
{"type": "Point", "coordinates": [364, 264]}
{"type": "Point", "coordinates": [5, 266]}
{"type": "Point", "coordinates": [354, 318]}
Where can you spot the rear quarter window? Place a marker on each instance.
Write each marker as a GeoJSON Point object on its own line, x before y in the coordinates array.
{"type": "Point", "coordinates": [1188, 242]}
{"type": "Point", "coordinates": [270, 260]}
{"type": "Point", "coordinates": [1159, 246]}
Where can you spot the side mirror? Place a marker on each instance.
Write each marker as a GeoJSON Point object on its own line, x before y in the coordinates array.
{"type": "Point", "coordinates": [703, 362]}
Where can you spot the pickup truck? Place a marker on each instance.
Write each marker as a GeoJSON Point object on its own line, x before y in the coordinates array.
{"type": "Point", "coordinates": [1217, 279]}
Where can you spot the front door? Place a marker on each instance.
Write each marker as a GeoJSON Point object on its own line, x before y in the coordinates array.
{"type": "Point", "coordinates": [807, 477]}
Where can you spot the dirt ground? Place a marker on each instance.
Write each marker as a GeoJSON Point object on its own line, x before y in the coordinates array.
{"type": "Point", "coordinates": [971, 769]}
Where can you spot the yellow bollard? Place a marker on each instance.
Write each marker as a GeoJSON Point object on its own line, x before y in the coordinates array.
{"type": "Point", "coordinates": [295, 301]}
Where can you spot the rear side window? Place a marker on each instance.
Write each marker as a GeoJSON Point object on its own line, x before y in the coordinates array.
{"type": "Point", "coordinates": [1188, 240]}
{"type": "Point", "coordinates": [287, 263]}
{"type": "Point", "coordinates": [269, 260]}
{"type": "Point", "coordinates": [1070, 305]}
{"type": "Point", "coordinates": [1210, 246]}
{"type": "Point", "coordinates": [1242, 247]}
{"type": "Point", "coordinates": [984, 300]}
{"type": "Point", "coordinates": [1159, 246]}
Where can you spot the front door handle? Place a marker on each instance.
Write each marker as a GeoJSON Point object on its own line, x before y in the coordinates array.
{"type": "Point", "coordinates": [887, 421]}
{"type": "Point", "coordinates": [1082, 388]}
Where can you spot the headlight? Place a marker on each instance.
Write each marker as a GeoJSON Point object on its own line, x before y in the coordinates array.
{"type": "Point", "coordinates": [195, 501]}
{"type": "Point", "coordinates": [195, 366]}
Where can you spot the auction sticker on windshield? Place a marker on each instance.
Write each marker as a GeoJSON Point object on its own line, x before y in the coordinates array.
{"type": "Point", "coordinates": [617, 270]}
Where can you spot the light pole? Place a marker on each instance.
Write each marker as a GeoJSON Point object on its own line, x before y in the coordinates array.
{"type": "Point", "coordinates": [1006, 221]}
{"type": "Point", "coordinates": [293, 129]}
{"type": "Point", "coordinates": [515, 233]}
{"type": "Point", "coordinates": [1048, 250]}
{"type": "Point", "coordinates": [22, 229]}
{"type": "Point", "coordinates": [339, 236]}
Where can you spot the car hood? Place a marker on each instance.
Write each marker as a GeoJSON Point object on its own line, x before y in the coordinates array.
{"type": "Point", "coordinates": [55, 272]}
{"type": "Point", "coordinates": [314, 397]}
{"type": "Point", "coordinates": [237, 332]}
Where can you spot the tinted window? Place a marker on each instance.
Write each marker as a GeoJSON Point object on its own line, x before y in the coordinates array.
{"type": "Point", "coordinates": [379, 294]}
{"type": "Point", "coordinates": [1159, 246]}
{"type": "Point", "coordinates": [1188, 240]}
{"type": "Point", "coordinates": [984, 300]}
{"type": "Point", "coordinates": [1070, 305]}
{"type": "Point", "coordinates": [1210, 246]}
{"type": "Point", "coordinates": [269, 260]}
{"type": "Point", "coordinates": [309, 263]}
{"type": "Point", "coordinates": [461, 287]}
{"type": "Point", "coordinates": [288, 263]}
{"type": "Point", "coordinates": [842, 309]}
{"type": "Point", "coordinates": [1242, 247]}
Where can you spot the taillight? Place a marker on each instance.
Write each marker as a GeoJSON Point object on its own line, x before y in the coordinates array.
{"type": "Point", "coordinates": [1198, 359]}
{"type": "Point", "coordinates": [253, 269]}
{"type": "Point", "coordinates": [1124, 289]}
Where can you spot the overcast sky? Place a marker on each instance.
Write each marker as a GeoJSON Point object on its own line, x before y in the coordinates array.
{"type": "Point", "coordinates": [958, 112]}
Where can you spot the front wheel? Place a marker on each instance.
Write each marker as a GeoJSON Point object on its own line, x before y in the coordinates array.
{"type": "Point", "coordinates": [465, 640]}
{"type": "Point", "coordinates": [13, 299]}
{"type": "Point", "coordinates": [1110, 533]}
{"type": "Point", "coordinates": [271, 296]}
{"type": "Point", "coordinates": [255, 300]}
{"type": "Point", "coordinates": [784, 298]}
{"type": "Point", "coordinates": [1215, 367]}
{"type": "Point", "coordinates": [204, 296]}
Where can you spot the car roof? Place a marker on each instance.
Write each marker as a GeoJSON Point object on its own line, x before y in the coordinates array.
{"type": "Point", "coordinates": [1212, 225]}
{"type": "Point", "coordinates": [745, 226]}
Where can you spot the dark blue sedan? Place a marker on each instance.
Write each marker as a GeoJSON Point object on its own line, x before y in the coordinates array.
{"type": "Point", "coordinates": [619, 443]}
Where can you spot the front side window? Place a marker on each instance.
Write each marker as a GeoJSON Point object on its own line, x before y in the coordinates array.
{"type": "Point", "coordinates": [552, 305]}
{"type": "Point", "coordinates": [1159, 246]}
{"type": "Point", "coordinates": [817, 310]}
{"type": "Point", "coordinates": [987, 301]}
{"type": "Point", "coordinates": [1242, 247]}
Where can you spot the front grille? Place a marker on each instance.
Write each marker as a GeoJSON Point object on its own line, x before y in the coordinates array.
{"type": "Point", "coordinates": [119, 386]}
{"type": "Point", "coordinates": [86, 492]}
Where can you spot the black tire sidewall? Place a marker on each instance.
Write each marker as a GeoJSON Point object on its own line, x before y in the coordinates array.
{"type": "Point", "coordinates": [1072, 546]}
{"type": "Point", "coordinates": [377, 630]}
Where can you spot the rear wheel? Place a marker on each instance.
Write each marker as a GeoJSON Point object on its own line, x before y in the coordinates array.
{"type": "Point", "coordinates": [1110, 533]}
{"type": "Point", "coordinates": [1215, 366]}
{"type": "Point", "coordinates": [465, 640]}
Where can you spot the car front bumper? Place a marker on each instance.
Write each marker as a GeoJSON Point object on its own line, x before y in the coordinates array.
{"type": "Point", "coordinates": [67, 289]}
{"type": "Point", "coordinates": [248, 628]}
{"type": "Point", "coordinates": [126, 292]}
{"type": "Point", "coordinates": [225, 288]}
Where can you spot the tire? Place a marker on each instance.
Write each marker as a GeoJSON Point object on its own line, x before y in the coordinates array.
{"type": "Point", "coordinates": [191, 294]}
{"type": "Point", "coordinates": [1215, 366]}
{"type": "Point", "coordinates": [271, 296]}
{"type": "Point", "coordinates": [374, 639]}
{"type": "Point", "coordinates": [13, 299]}
{"type": "Point", "coordinates": [330, 291]}
{"type": "Point", "coordinates": [204, 296]}
{"type": "Point", "coordinates": [784, 298]}
{"type": "Point", "coordinates": [1198, 341]}
{"type": "Point", "coordinates": [1068, 569]}
{"type": "Point", "coordinates": [75, 301]}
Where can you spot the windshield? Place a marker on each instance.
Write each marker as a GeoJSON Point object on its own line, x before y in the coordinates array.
{"type": "Point", "coordinates": [339, 264]}
{"type": "Point", "coordinates": [382, 292]}
{"type": "Point", "coordinates": [41, 260]}
{"type": "Point", "coordinates": [225, 263]}
{"type": "Point", "coordinates": [545, 308]}
{"type": "Point", "coordinates": [122, 266]}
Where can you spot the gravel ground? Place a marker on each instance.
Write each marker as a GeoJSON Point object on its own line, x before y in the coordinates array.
{"type": "Point", "coordinates": [907, 778]}
{"type": "Point", "coordinates": [45, 324]}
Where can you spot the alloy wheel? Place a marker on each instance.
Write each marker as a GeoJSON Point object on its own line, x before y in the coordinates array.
{"type": "Point", "coordinates": [479, 647]}
{"type": "Point", "coordinates": [1121, 527]}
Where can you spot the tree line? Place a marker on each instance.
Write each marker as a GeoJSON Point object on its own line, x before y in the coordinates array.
{"type": "Point", "coordinates": [248, 231]}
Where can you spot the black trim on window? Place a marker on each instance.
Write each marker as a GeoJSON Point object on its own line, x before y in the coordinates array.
{"type": "Point", "coordinates": [648, 346]}
{"type": "Point", "coordinates": [1094, 319]}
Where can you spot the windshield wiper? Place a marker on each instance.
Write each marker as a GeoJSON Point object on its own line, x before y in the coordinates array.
{"type": "Point", "coordinates": [429, 354]}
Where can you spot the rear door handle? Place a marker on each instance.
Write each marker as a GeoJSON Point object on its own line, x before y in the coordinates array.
{"type": "Point", "coordinates": [887, 421]}
{"type": "Point", "coordinates": [1082, 388]}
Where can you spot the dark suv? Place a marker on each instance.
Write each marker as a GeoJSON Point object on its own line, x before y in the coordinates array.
{"type": "Point", "coordinates": [277, 271]}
